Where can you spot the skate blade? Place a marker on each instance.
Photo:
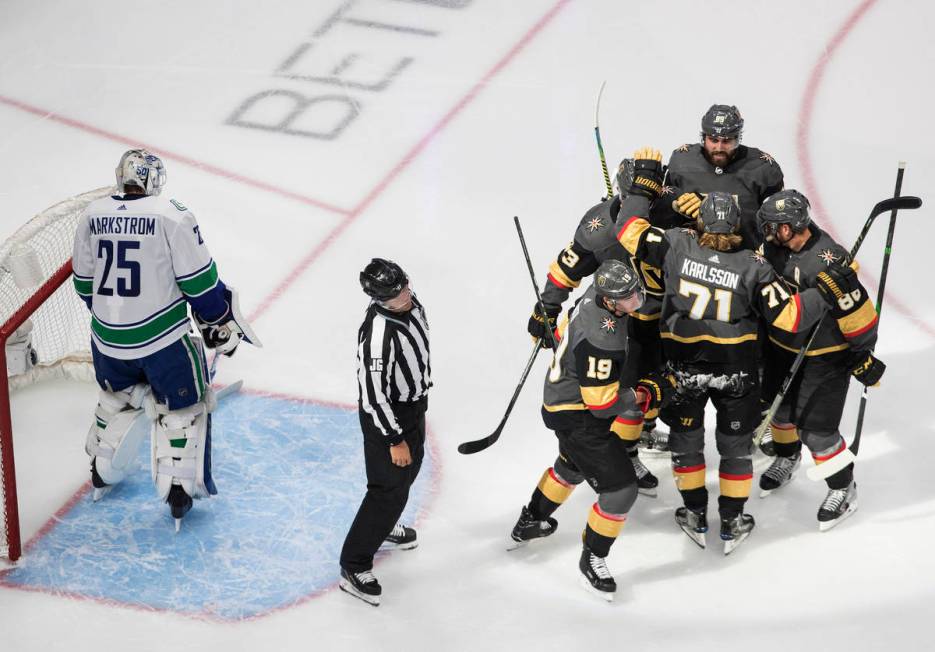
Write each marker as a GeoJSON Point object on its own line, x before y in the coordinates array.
{"type": "Point", "coordinates": [730, 545]}
{"type": "Point", "coordinates": [765, 492]}
{"type": "Point", "coordinates": [399, 546]}
{"type": "Point", "coordinates": [655, 452]}
{"type": "Point", "coordinates": [178, 525]}
{"type": "Point", "coordinates": [607, 596]}
{"type": "Point", "coordinates": [649, 492]}
{"type": "Point", "coordinates": [100, 492]}
{"type": "Point", "coordinates": [513, 544]}
{"type": "Point", "coordinates": [697, 537]}
{"type": "Point", "coordinates": [347, 587]}
{"type": "Point", "coordinates": [824, 526]}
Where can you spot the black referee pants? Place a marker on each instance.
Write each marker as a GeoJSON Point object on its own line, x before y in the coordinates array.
{"type": "Point", "coordinates": [387, 485]}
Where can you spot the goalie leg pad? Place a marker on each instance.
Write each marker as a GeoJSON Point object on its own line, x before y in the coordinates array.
{"type": "Point", "coordinates": [181, 451]}
{"type": "Point", "coordinates": [118, 430]}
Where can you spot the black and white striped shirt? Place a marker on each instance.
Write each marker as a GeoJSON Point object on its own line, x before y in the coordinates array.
{"type": "Point", "coordinates": [392, 363]}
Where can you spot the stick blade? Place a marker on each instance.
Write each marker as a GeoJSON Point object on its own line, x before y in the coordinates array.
{"type": "Point", "coordinates": [832, 466]}
{"type": "Point", "coordinates": [909, 202]}
{"type": "Point", "coordinates": [476, 446]}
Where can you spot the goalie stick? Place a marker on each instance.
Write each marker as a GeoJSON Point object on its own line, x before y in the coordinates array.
{"type": "Point", "coordinates": [849, 454]}
{"type": "Point", "coordinates": [892, 204]}
{"type": "Point", "coordinates": [477, 445]}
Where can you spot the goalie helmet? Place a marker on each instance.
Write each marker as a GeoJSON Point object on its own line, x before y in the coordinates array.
{"type": "Point", "coordinates": [625, 173]}
{"type": "Point", "coordinates": [719, 213]}
{"type": "Point", "coordinates": [139, 168]}
{"type": "Point", "coordinates": [785, 207]}
{"type": "Point", "coordinates": [722, 121]}
{"type": "Point", "coordinates": [383, 279]}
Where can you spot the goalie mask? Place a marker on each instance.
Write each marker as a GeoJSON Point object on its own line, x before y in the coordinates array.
{"type": "Point", "coordinates": [139, 168]}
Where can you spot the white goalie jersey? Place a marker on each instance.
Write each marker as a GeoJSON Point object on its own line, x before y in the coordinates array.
{"type": "Point", "coordinates": [138, 262]}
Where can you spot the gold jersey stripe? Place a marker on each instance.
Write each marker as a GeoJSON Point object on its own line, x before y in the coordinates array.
{"type": "Point", "coordinates": [554, 490]}
{"type": "Point", "coordinates": [600, 396]}
{"type": "Point", "coordinates": [627, 431]}
{"type": "Point", "coordinates": [811, 352]}
{"type": "Point", "coordinates": [651, 414]}
{"type": "Point", "coordinates": [709, 338]}
{"type": "Point", "coordinates": [629, 235]}
{"type": "Point", "coordinates": [555, 271]}
{"type": "Point", "coordinates": [561, 407]}
{"type": "Point", "coordinates": [858, 321]}
{"type": "Point", "coordinates": [653, 317]}
{"type": "Point", "coordinates": [605, 524]}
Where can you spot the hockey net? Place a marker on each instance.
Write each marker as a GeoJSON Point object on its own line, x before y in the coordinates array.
{"type": "Point", "coordinates": [45, 330]}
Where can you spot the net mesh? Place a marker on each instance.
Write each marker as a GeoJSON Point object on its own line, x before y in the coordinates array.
{"type": "Point", "coordinates": [61, 325]}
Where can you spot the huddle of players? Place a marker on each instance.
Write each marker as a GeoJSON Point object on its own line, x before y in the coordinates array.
{"type": "Point", "coordinates": [697, 272]}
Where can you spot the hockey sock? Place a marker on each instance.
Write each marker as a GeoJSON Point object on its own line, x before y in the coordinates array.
{"type": "Point", "coordinates": [842, 479]}
{"type": "Point", "coordinates": [736, 476]}
{"type": "Point", "coordinates": [689, 472]}
{"type": "Point", "coordinates": [551, 492]}
{"type": "Point", "coordinates": [786, 440]}
{"type": "Point", "coordinates": [628, 428]}
{"type": "Point", "coordinates": [602, 530]}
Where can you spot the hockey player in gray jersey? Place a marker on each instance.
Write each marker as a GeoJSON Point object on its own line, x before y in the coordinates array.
{"type": "Point", "coordinates": [716, 294]}
{"type": "Point", "coordinates": [139, 263]}
{"type": "Point", "coordinates": [587, 406]}
{"type": "Point", "coordinates": [594, 242]}
{"type": "Point", "coordinates": [812, 407]}
{"type": "Point", "coordinates": [720, 162]}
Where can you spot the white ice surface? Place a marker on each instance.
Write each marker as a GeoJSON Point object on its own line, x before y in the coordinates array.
{"type": "Point", "coordinates": [430, 174]}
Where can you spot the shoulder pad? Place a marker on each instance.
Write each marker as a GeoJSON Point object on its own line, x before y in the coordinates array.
{"type": "Point", "coordinates": [179, 205]}
{"type": "Point", "coordinates": [833, 255]}
{"type": "Point", "coordinates": [683, 148]}
{"type": "Point", "coordinates": [690, 232]}
{"type": "Point", "coordinates": [768, 158]}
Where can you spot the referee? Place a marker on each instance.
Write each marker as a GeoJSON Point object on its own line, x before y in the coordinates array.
{"type": "Point", "coordinates": [394, 376]}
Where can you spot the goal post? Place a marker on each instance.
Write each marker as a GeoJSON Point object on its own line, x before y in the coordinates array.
{"type": "Point", "coordinates": [45, 329]}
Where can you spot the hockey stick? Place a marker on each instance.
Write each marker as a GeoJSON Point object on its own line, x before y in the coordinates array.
{"type": "Point", "coordinates": [892, 204]}
{"type": "Point", "coordinates": [470, 447]}
{"type": "Point", "coordinates": [849, 454]}
{"type": "Point", "coordinates": [600, 146]}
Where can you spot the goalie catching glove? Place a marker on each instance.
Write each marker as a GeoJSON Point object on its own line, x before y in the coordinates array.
{"type": "Point", "coordinates": [647, 173]}
{"type": "Point", "coordinates": [654, 390]}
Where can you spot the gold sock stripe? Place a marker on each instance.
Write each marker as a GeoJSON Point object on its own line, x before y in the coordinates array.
{"type": "Point", "coordinates": [689, 477]}
{"type": "Point", "coordinates": [736, 486]}
{"type": "Point", "coordinates": [785, 434]}
{"type": "Point", "coordinates": [553, 488]}
{"type": "Point", "coordinates": [607, 525]}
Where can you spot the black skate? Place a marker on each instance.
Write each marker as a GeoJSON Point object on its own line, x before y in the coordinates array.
{"type": "Point", "coordinates": [694, 524]}
{"type": "Point", "coordinates": [528, 528]}
{"type": "Point", "coordinates": [767, 446]}
{"type": "Point", "coordinates": [363, 586]}
{"type": "Point", "coordinates": [646, 482]}
{"type": "Point", "coordinates": [99, 487]}
{"type": "Point", "coordinates": [734, 530]}
{"type": "Point", "coordinates": [779, 474]}
{"type": "Point", "coordinates": [179, 504]}
{"type": "Point", "coordinates": [653, 442]}
{"type": "Point", "coordinates": [401, 538]}
{"type": "Point", "coordinates": [596, 578]}
{"type": "Point", "coordinates": [837, 506]}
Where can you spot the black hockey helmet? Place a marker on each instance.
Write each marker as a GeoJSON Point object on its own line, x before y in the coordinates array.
{"type": "Point", "coordinates": [784, 207]}
{"type": "Point", "coordinates": [616, 280]}
{"type": "Point", "coordinates": [723, 121]}
{"type": "Point", "coordinates": [719, 213]}
{"type": "Point", "coordinates": [625, 173]}
{"type": "Point", "coordinates": [383, 279]}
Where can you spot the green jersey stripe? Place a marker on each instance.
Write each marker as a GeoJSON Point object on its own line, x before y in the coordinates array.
{"type": "Point", "coordinates": [201, 283]}
{"type": "Point", "coordinates": [84, 288]}
{"type": "Point", "coordinates": [197, 367]}
{"type": "Point", "coordinates": [136, 335]}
